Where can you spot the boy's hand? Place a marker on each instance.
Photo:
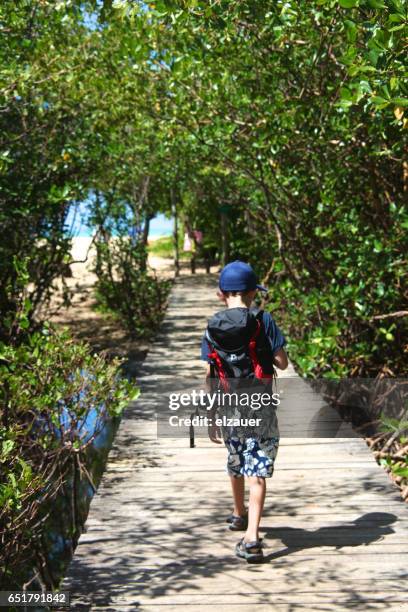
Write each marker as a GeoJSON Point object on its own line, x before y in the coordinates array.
{"type": "Point", "coordinates": [214, 433]}
{"type": "Point", "coordinates": [280, 359]}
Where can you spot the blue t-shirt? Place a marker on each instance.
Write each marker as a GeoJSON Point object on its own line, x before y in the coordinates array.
{"type": "Point", "coordinates": [272, 331]}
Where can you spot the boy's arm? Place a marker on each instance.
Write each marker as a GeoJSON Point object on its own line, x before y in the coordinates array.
{"type": "Point", "coordinates": [214, 432]}
{"type": "Point", "coordinates": [280, 359]}
{"type": "Point", "coordinates": [277, 340]}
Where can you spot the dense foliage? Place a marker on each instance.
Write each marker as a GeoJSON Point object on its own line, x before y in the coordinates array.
{"type": "Point", "coordinates": [66, 132]}
{"type": "Point", "coordinates": [294, 112]}
{"type": "Point", "coordinates": [55, 399]}
{"type": "Point", "coordinates": [278, 128]}
{"type": "Point", "coordinates": [124, 287]}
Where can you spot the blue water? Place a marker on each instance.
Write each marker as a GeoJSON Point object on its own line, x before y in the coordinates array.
{"type": "Point", "coordinates": [63, 526]}
{"type": "Point", "coordinates": [76, 223]}
{"type": "Point", "coordinates": [161, 226]}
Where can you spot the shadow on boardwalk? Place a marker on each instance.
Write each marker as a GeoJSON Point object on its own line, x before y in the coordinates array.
{"type": "Point", "coordinates": [152, 561]}
{"type": "Point", "coordinates": [368, 528]}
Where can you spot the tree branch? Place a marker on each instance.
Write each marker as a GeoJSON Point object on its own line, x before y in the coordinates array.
{"type": "Point", "coordinates": [391, 315]}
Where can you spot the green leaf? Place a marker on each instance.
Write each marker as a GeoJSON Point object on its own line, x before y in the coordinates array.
{"type": "Point", "coordinates": [396, 17]}
{"type": "Point", "coordinates": [351, 30]}
{"type": "Point", "coordinates": [400, 101]}
{"type": "Point", "coordinates": [400, 471]}
{"type": "Point", "coordinates": [398, 27]}
{"type": "Point", "coordinates": [394, 82]}
{"type": "Point", "coordinates": [373, 56]}
{"type": "Point", "coordinates": [346, 94]}
{"type": "Point", "coordinates": [377, 4]}
{"type": "Point", "coordinates": [7, 447]}
{"type": "Point", "coordinates": [348, 3]}
{"type": "Point", "coordinates": [380, 102]}
{"type": "Point", "coordinates": [24, 323]}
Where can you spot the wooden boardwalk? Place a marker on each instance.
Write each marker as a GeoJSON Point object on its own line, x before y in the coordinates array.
{"type": "Point", "coordinates": [335, 526]}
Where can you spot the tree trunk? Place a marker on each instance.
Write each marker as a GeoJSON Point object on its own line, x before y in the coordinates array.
{"type": "Point", "coordinates": [175, 232]}
{"type": "Point", "coordinates": [224, 239]}
{"type": "Point", "coordinates": [146, 228]}
{"type": "Point", "coordinates": [145, 236]}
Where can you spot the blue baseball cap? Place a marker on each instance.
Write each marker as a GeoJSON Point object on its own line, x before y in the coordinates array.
{"type": "Point", "coordinates": [238, 276]}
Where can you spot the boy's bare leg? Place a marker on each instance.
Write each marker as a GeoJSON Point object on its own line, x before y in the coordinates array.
{"type": "Point", "coordinates": [257, 489]}
{"type": "Point", "coordinates": [238, 492]}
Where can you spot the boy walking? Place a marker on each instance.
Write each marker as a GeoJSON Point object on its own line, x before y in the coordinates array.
{"type": "Point", "coordinates": [245, 344]}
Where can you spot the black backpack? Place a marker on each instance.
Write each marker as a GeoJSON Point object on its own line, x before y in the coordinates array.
{"type": "Point", "coordinates": [239, 345]}
{"type": "Point", "coordinates": [239, 350]}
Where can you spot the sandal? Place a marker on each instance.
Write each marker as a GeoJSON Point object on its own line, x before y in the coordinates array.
{"type": "Point", "coordinates": [251, 551]}
{"type": "Point", "coordinates": [238, 523]}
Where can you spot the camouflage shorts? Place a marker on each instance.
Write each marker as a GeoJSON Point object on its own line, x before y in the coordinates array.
{"type": "Point", "coordinates": [251, 456]}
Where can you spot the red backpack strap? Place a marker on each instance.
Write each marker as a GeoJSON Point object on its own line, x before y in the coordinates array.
{"type": "Point", "coordinates": [258, 370]}
{"type": "Point", "coordinates": [220, 369]}
{"type": "Point", "coordinates": [217, 363]}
